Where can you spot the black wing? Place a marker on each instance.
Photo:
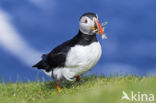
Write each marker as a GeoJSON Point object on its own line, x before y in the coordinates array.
{"type": "Point", "coordinates": [56, 58]}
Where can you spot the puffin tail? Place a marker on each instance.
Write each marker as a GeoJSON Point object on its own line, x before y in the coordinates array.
{"type": "Point", "coordinates": [41, 65]}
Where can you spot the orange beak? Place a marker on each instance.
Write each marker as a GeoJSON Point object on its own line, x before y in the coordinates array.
{"type": "Point", "coordinates": [100, 30]}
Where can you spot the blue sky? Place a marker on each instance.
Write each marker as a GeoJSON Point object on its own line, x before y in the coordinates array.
{"type": "Point", "coordinates": [30, 28]}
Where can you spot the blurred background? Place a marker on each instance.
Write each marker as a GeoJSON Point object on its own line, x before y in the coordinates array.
{"type": "Point", "coordinates": [29, 28]}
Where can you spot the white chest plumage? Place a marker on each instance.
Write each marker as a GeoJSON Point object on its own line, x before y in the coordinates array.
{"type": "Point", "coordinates": [79, 60]}
{"type": "Point", "coordinates": [83, 57]}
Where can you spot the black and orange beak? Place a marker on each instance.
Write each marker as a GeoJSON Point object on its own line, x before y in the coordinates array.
{"type": "Point", "coordinates": [99, 27]}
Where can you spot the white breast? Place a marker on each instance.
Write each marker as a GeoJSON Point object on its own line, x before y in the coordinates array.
{"type": "Point", "coordinates": [80, 59]}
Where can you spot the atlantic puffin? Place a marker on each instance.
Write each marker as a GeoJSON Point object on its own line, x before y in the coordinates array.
{"type": "Point", "coordinates": [75, 56]}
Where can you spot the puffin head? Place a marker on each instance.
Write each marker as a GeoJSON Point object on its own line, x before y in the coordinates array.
{"type": "Point", "coordinates": [89, 24]}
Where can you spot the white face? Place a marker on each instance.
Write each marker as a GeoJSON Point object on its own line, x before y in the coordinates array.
{"type": "Point", "coordinates": [86, 24]}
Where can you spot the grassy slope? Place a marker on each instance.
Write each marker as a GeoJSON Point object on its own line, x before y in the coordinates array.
{"type": "Point", "coordinates": [90, 90]}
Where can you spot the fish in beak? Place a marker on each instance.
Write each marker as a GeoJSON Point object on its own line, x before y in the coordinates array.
{"type": "Point", "coordinates": [100, 29]}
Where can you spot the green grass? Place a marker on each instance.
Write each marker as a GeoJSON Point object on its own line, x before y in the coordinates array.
{"type": "Point", "coordinates": [91, 89]}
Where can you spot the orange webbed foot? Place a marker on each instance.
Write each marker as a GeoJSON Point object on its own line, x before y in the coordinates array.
{"type": "Point", "coordinates": [58, 88]}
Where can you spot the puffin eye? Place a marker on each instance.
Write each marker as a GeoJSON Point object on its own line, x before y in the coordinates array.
{"type": "Point", "coordinates": [86, 21]}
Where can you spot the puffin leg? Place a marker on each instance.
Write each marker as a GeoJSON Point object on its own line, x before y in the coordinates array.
{"type": "Point", "coordinates": [56, 83]}
{"type": "Point", "coordinates": [78, 78]}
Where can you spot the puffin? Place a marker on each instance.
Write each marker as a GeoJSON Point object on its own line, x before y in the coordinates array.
{"type": "Point", "coordinates": [76, 56]}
